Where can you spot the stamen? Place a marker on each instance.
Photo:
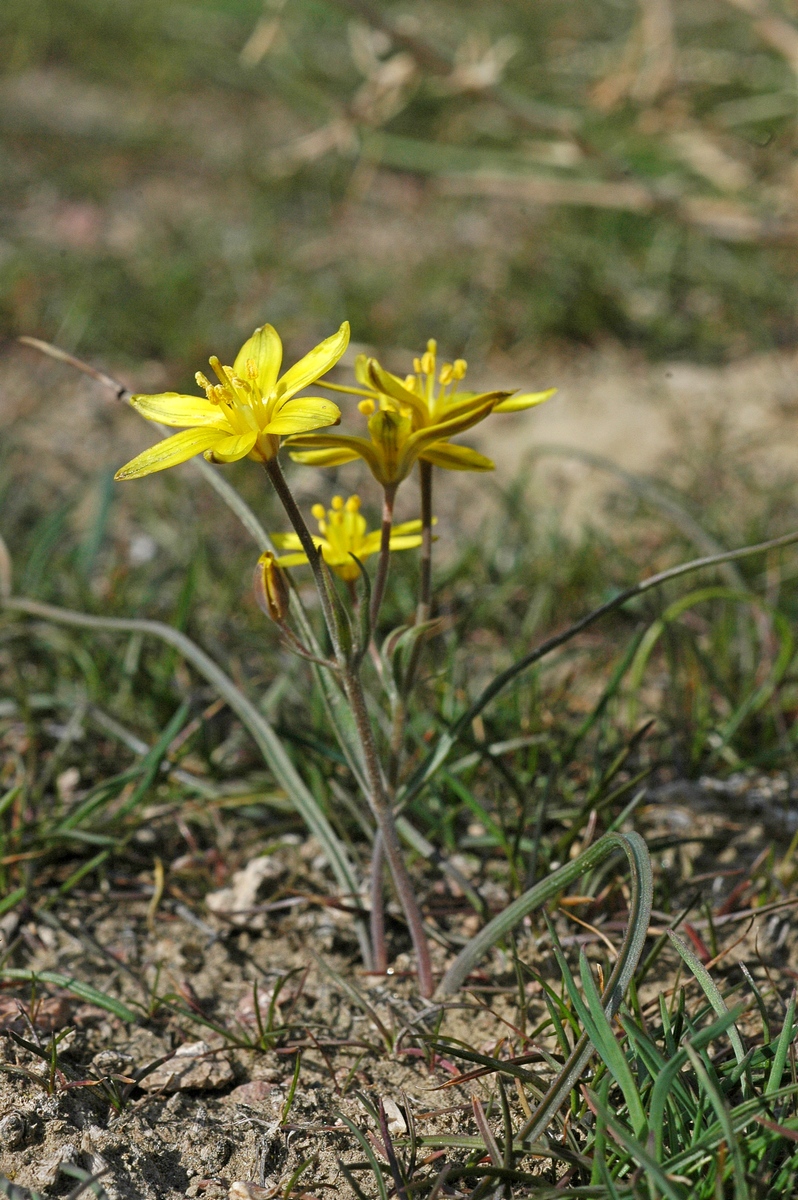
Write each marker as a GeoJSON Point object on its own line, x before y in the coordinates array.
{"type": "Point", "coordinates": [352, 504]}
{"type": "Point", "coordinates": [366, 407]}
{"type": "Point", "coordinates": [218, 370]}
{"type": "Point", "coordinates": [319, 512]}
{"type": "Point", "coordinates": [252, 368]}
{"type": "Point", "coordinates": [337, 502]}
{"type": "Point", "coordinates": [428, 363]}
{"type": "Point", "coordinates": [417, 365]}
{"type": "Point", "coordinates": [206, 385]}
{"type": "Point", "coordinates": [411, 383]}
{"type": "Point", "coordinates": [432, 346]}
{"type": "Point", "coordinates": [447, 374]}
{"type": "Point", "coordinates": [459, 368]}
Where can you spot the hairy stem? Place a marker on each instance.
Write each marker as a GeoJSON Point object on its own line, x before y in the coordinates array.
{"type": "Point", "coordinates": [383, 813]}
{"type": "Point", "coordinates": [377, 919]}
{"type": "Point", "coordinates": [385, 554]}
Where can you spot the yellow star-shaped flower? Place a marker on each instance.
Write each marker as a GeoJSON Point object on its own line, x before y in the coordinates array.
{"type": "Point", "coordinates": [247, 412]}
{"type": "Point", "coordinates": [344, 532]}
{"type": "Point", "coordinates": [412, 419]}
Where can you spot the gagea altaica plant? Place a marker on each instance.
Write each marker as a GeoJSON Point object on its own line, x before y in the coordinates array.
{"type": "Point", "coordinates": [411, 422]}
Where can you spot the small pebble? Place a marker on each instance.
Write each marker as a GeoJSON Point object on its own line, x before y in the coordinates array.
{"type": "Point", "coordinates": [12, 1131]}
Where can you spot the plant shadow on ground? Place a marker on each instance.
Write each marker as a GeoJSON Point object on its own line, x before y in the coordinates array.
{"type": "Point", "coordinates": [134, 807]}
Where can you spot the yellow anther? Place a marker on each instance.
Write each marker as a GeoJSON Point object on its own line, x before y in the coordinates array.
{"type": "Point", "coordinates": [417, 365]}
{"type": "Point", "coordinates": [432, 346]}
{"type": "Point", "coordinates": [204, 383]}
{"type": "Point", "coordinates": [366, 407]}
{"type": "Point", "coordinates": [428, 363]}
{"type": "Point", "coordinates": [411, 383]}
{"type": "Point", "coordinates": [319, 512]}
{"type": "Point", "coordinates": [459, 367]}
{"type": "Point", "coordinates": [352, 504]}
{"type": "Point", "coordinates": [252, 368]}
{"type": "Point", "coordinates": [447, 374]}
{"type": "Point", "coordinates": [337, 503]}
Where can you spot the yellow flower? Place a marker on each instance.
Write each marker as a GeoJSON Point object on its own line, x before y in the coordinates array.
{"type": "Point", "coordinates": [247, 411]}
{"type": "Point", "coordinates": [344, 532]}
{"type": "Point", "coordinates": [412, 418]}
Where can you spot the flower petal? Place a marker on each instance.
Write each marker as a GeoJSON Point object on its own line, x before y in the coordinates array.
{"type": "Point", "coordinates": [417, 443]}
{"type": "Point", "coordinates": [526, 400]}
{"type": "Point", "coordinates": [170, 408]}
{"type": "Point", "coordinates": [265, 349]}
{"type": "Point", "coordinates": [405, 543]}
{"type": "Point", "coordinates": [291, 560]}
{"type": "Point", "coordinates": [230, 449]}
{"type": "Point", "coordinates": [323, 458]}
{"type": "Point", "coordinates": [286, 541]}
{"type": "Point", "coordinates": [466, 402]}
{"type": "Point", "coordinates": [170, 452]}
{"type": "Point", "coordinates": [316, 363]}
{"type": "Point", "coordinates": [357, 447]}
{"type": "Point", "coordinates": [456, 458]}
{"type": "Point", "coordinates": [299, 416]}
{"type": "Point", "coordinates": [389, 385]}
{"type": "Point", "coordinates": [409, 527]}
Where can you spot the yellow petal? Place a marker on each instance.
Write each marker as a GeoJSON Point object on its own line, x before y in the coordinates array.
{"type": "Point", "coordinates": [355, 447]}
{"type": "Point", "coordinates": [286, 541]}
{"type": "Point", "coordinates": [405, 543]}
{"type": "Point", "coordinates": [417, 443]}
{"type": "Point", "coordinates": [265, 349]}
{"type": "Point", "coordinates": [389, 385]}
{"type": "Point", "coordinates": [299, 416]}
{"type": "Point", "coordinates": [323, 458]}
{"type": "Point", "coordinates": [465, 402]}
{"type": "Point", "coordinates": [526, 400]}
{"type": "Point", "coordinates": [230, 449]}
{"type": "Point", "coordinates": [315, 364]}
{"type": "Point", "coordinates": [170, 452]}
{"type": "Point", "coordinates": [456, 458]}
{"type": "Point", "coordinates": [291, 560]}
{"type": "Point", "coordinates": [409, 527]}
{"type": "Point", "coordinates": [170, 408]}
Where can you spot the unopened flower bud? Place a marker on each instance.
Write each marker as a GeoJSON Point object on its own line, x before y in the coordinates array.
{"type": "Point", "coordinates": [271, 588]}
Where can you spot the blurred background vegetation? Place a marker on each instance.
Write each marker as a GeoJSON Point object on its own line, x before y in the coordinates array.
{"type": "Point", "coordinates": [497, 172]}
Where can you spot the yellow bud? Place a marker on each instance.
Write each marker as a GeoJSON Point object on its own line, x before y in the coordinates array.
{"type": "Point", "coordinates": [428, 363]}
{"type": "Point", "coordinates": [353, 504]}
{"type": "Point", "coordinates": [447, 374]}
{"type": "Point", "coordinates": [337, 503]}
{"type": "Point", "coordinates": [271, 588]}
{"type": "Point", "coordinates": [459, 368]}
{"type": "Point", "coordinates": [366, 407]}
{"type": "Point", "coordinates": [319, 512]}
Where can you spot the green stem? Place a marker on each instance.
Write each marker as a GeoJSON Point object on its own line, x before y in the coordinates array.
{"type": "Point", "coordinates": [385, 554]}
{"type": "Point", "coordinates": [425, 585]}
{"type": "Point", "coordinates": [377, 918]}
{"type": "Point", "coordinates": [275, 473]}
{"type": "Point", "coordinates": [383, 814]}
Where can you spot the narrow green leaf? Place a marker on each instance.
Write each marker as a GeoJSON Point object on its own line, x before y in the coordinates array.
{"type": "Point", "coordinates": [83, 991]}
